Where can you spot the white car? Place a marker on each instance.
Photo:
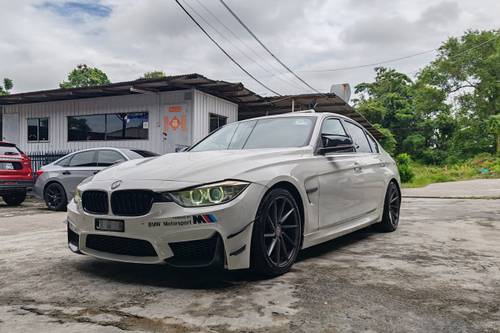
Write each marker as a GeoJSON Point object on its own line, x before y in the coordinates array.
{"type": "Point", "coordinates": [249, 195]}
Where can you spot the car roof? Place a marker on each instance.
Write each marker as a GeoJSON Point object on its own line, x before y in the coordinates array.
{"type": "Point", "coordinates": [302, 113]}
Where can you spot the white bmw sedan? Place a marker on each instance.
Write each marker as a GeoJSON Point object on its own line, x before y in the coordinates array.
{"type": "Point", "coordinates": [250, 195]}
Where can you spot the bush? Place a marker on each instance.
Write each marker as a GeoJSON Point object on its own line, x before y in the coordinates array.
{"type": "Point", "coordinates": [481, 166]}
{"type": "Point", "coordinates": [404, 166]}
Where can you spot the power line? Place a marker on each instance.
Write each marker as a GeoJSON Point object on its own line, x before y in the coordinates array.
{"type": "Point", "coordinates": [367, 65]}
{"type": "Point", "coordinates": [265, 48]}
{"type": "Point", "coordinates": [271, 74]}
{"type": "Point", "coordinates": [271, 65]}
{"type": "Point", "coordinates": [463, 52]}
{"type": "Point", "coordinates": [224, 51]}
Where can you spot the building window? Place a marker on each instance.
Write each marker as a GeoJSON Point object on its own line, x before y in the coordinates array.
{"type": "Point", "coordinates": [112, 126]}
{"type": "Point", "coordinates": [38, 129]}
{"type": "Point", "coordinates": [216, 121]}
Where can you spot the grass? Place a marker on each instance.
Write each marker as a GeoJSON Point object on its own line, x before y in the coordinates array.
{"type": "Point", "coordinates": [481, 166]}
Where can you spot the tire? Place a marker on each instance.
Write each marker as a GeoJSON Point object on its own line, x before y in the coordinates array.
{"type": "Point", "coordinates": [278, 222]}
{"type": "Point", "coordinates": [392, 205]}
{"type": "Point", "coordinates": [55, 197]}
{"type": "Point", "coordinates": [14, 199]}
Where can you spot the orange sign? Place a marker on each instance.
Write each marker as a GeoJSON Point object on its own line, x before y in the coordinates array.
{"type": "Point", "coordinates": [175, 108]}
{"type": "Point", "coordinates": [175, 121]}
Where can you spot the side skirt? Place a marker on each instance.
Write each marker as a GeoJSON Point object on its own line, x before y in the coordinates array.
{"type": "Point", "coordinates": [340, 229]}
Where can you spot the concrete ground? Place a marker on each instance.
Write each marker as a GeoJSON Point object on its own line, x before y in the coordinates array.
{"type": "Point", "coordinates": [440, 271]}
{"type": "Point", "coordinates": [476, 188]}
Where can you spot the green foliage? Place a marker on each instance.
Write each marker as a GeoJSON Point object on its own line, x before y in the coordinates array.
{"type": "Point", "coordinates": [7, 86]}
{"type": "Point", "coordinates": [404, 166]}
{"type": "Point", "coordinates": [482, 166]}
{"type": "Point", "coordinates": [154, 75]}
{"type": "Point", "coordinates": [450, 113]}
{"type": "Point", "coordinates": [388, 141]}
{"type": "Point", "coordinates": [84, 76]}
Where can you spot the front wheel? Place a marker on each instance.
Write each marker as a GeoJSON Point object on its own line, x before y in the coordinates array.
{"type": "Point", "coordinates": [55, 197]}
{"type": "Point", "coordinates": [14, 199]}
{"type": "Point", "coordinates": [277, 234]}
{"type": "Point", "coordinates": [392, 205]}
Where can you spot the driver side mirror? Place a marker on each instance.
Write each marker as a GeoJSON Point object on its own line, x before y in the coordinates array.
{"type": "Point", "coordinates": [336, 143]}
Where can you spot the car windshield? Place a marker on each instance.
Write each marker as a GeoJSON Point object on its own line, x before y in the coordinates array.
{"type": "Point", "coordinates": [283, 132]}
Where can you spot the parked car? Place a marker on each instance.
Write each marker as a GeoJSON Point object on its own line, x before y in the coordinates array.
{"type": "Point", "coordinates": [251, 194]}
{"type": "Point", "coordinates": [56, 182]}
{"type": "Point", "coordinates": [15, 174]}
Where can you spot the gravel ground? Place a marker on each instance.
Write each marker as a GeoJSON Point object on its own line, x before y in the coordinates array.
{"type": "Point", "coordinates": [440, 271]}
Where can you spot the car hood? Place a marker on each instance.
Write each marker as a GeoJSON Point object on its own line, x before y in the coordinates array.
{"type": "Point", "coordinates": [201, 167]}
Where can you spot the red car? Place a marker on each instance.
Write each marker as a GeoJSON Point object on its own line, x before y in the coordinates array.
{"type": "Point", "coordinates": [15, 174]}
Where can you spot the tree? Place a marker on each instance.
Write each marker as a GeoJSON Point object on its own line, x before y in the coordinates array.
{"type": "Point", "coordinates": [154, 75]}
{"type": "Point", "coordinates": [467, 70]}
{"type": "Point", "coordinates": [450, 112]}
{"type": "Point", "coordinates": [84, 76]}
{"type": "Point", "coordinates": [7, 86]}
{"type": "Point", "coordinates": [387, 102]}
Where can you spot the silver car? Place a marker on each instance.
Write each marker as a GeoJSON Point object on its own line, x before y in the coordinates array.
{"type": "Point", "coordinates": [56, 182]}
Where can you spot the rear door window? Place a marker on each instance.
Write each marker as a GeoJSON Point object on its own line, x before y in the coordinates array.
{"type": "Point", "coordinates": [107, 158]}
{"type": "Point", "coordinates": [358, 137]}
{"type": "Point", "coordinates": [83, 159]}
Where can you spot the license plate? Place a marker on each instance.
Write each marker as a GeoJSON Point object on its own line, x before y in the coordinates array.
{"type": "Point", "coordinates": [6, 166]}
{"type": "Point", "coordinates": [109, 225]}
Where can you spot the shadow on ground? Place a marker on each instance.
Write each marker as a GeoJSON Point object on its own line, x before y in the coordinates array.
{"type": "Point", "coordinates": [199, 278]}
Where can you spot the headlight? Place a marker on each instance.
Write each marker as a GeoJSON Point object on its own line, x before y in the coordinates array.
{"type": "Point", "coordinates": [211, 194]}
{"type": "Point", "coordinates": [78, 196]}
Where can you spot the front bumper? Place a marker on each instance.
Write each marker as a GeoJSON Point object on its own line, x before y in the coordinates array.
{"type": "Point", "coordinates": [173, 234]}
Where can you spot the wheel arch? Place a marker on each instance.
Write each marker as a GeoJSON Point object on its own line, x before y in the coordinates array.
{"type": "Point", "coordinates": [395, 181]}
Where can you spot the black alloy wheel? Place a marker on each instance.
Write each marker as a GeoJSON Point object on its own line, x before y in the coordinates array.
{"type": "Point", "coordinates": [55, 197]}
{"type": "Point", "coordinates": [277, 233]}
{"type": "Point", "coordinates": [392, 206]}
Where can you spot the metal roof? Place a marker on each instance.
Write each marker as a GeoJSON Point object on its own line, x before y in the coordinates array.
{"type": "Point", "coordinates": [250, 104]}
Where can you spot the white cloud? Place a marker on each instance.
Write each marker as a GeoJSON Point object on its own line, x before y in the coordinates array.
{"type": "Point", "coordinates": [41, 42]}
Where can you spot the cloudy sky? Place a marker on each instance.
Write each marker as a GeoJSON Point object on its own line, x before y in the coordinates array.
{"type": "Point", "coordinates": [41, 41]}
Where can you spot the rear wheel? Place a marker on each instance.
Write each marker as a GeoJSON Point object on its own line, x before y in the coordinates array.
{"type": "Point", "coordinates": [14, 199]}
{"type": "Point", "coordinates": [55, 196]}
{"type": "Point", "coordinates": [392, 205]}
{"type": "Point", "coordinates": [277, 234]}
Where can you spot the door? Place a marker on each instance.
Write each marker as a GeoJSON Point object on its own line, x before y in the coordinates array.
{"type": "Point", "coordinates": [79, 166]}
{"type": "Point", "coordinates": [10, 128]}
{"type": "Point", "coordinates": [369, 175]}
{"type": "Point", "coordinates": [340, 188]}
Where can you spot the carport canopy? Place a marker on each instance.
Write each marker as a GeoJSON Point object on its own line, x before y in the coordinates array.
{"type": "Point", "coordinates": [250, 104]}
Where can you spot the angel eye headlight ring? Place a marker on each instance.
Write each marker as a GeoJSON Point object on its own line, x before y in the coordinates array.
{"type": "Point", "coordinates": [209, 194]}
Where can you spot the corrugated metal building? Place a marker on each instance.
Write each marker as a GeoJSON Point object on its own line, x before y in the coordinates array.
{"type": "Point", "coordinates": [160, 115]}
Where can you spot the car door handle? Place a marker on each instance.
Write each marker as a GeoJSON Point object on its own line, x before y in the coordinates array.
{"type": "Point", "coordinates": [381, 164]}
{"type": "Point", "coordinates": [66, 173]}
{"type": "Point", "coordinates": [357, 168]}
{"type": "Point", "coordinates": [95, 172]}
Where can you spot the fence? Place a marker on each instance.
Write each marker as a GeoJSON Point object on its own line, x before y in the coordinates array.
{"type": "Point", "coordinates": [41, 158]}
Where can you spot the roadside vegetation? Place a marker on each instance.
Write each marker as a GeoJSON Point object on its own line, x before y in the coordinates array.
{"type": "Point", "coordinates": [414, 174]}
{"type": "Point", "coordinates": [444, 124]}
